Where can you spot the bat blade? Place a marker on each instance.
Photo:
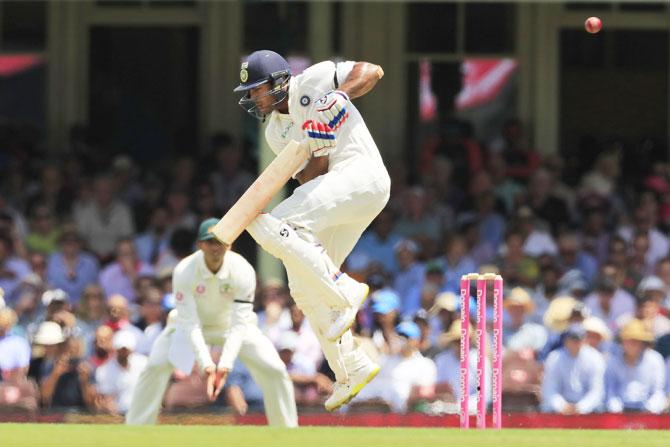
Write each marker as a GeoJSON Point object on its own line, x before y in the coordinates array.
{"type": "Point", "coordinates": [261, 192]}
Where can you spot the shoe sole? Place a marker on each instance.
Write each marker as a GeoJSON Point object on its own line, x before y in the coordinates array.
{"type": "Point", "coordinates": [351, 323]}
{"type": "Point", "coordinates": [357, 389]}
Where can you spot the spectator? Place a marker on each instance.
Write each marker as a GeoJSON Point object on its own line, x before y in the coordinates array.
{"type": "Point", "coordinates": [519, 333]}
{"type": "Point", "coordinates": [105, 220]}
{"type": "Point", "coordinates": [14, 350]}
{"type": "Point", "coordinates": [479, 250]}
{"type": "Point", "coordinates": [181, 245]}
{"type": "Point", "coordinates": [385, 306]}
{"type": "Point", "coordinates": [544, 204]}
{"type": "Point", "coordinates": [118, 317]}
{"type": "Point", "coordinates": [43, 234]}
{"type": "Point", "coordinates": [117, 378]}
{"type": "Point", "coordinates": [609, 302]}
{"type": "Point", "coordinates": [449, 367]}
{"type": "Point", "coordinates": [444, 314]}
{"type": "Point", "coordinates": [636, 376]}
{"type": "Point", "coordinates": [571, 256]}
{"type": "Point", "coordinates": [516, 267]}
{"type": "Point", "coordinates": [417, 221]}
{"type": "Point", "coordinates": [125, 173]}
{"type": "Point", "coordinates": [179, 213]}
{"type": "Point", "coordinates": [151, 320]}
{"type": "Point", "coordinates": [241, 392]}
{"type": "Point", "coordinates": [537, 241]}
{"type": "Point", "coordinates": [273, 316]}
{"type": "Point", "coordinates": [151, 244]}
{"type": "Point", "coordinates": [230, 180]}
{"type": "Point", "coordinates": [310, 385]}
{"type": "Point", "coordinates": [505, 189]}
{"type": "Point", "coordinates": [594, 236]}
{"type": "Point", "coordinates": [12, 269]}
{"type": "Point", "coordinates": [601, 181]}
{"type": "Point", "coordinates": [65, 380]}
{"type": "Point", "coordinates": [644, 222]}
{"type": "Point", "coordinates": [521, 160]}
{"type": "Point", "coordinates": [205, 203]}
{"type": "Point", "coordinates": [307, 344]}
{"type": "Point", "coordinates": [650, 294]}
{"type": "Point", "coordinates": [102, 346]}
{"type": "Point", "coordinates": [573, 380]}
{"type": "Point", "coordinates": [598, 336]}
{"type": "Point", "coordinates": [91, 314]}
{"type": "Point", "coordinates": [50, 190]}
{"type": "Point", "coordinates": [663, 272]}
{"type": "Point", "coordinates": [409, 279]}
{"type": "Point", "coordinates": [456, 262]}
{"type": "Point", "coordinates": [379, 241]}
{"type": "Point", "coordinates": [398, 383]}
{"type": "Point", "coordinates": [70, 268]}
{"type": "Point", "coordinates": [119, 277]}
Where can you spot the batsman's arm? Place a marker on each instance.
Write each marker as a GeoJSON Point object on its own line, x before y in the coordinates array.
{"type": "Point", "coordinates": [317, 166]}
{"type": "Point", "coordinates": [187, 318]}
{"type": "Point", "coordinates": [362, 78]}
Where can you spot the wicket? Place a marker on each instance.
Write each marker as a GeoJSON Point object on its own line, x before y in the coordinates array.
{"type": "Point", "coordinates": [496, 384]}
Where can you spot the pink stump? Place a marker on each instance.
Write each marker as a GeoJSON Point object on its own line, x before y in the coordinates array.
{"type": "Point", "coordinates": [465, 352]}
{"type": "Point", "coordinates": [497, 351]}
{"type": "Point", "coordinates": [481, 352]}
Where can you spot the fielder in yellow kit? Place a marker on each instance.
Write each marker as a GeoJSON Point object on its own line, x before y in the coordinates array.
{"type": "Point", "coordinates": [214, 291]}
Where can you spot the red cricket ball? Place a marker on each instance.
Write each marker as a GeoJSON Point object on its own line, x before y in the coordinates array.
{"type": "Point", "coordinates": [593, 24]}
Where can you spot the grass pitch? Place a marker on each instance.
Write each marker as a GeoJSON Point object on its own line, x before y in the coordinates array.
{"type": "Point", "coordinates": [71, 435]}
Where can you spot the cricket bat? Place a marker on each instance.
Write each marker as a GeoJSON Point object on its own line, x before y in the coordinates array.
{"type": "Point", "coordinates": [261, 192]}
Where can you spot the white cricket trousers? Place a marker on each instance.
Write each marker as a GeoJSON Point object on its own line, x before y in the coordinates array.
{"type": "Point", "coordinates": [258, 355]}
{"type": "Point", "coordinates": [328, 213]}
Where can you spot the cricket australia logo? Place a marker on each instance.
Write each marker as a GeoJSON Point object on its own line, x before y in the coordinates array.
{"type": "Point", "coordinates": [225, 288]}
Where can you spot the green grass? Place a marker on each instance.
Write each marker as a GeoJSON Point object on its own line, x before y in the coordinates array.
{"type": "Point", "coordinates": [71, 435]}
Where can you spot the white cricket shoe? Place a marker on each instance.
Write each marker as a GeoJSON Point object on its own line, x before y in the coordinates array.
{"type": "Point", "coordinates": [344, 392]}
{"type": "Point", "coordinates": [342, 320]}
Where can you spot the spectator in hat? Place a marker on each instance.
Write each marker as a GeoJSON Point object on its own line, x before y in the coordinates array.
{"type": "Point", "coordinates": [449, 366]}
{"type": "Point", "coordinates": [54, 301]}
{"type": "Point", "coordinates": [598, 336]}
{"type": "Point", "coordinates": [519, 333]}
{"type": "Point", "coordinates": [105, 220]}
{"type": "Point", "coordinates": [635, 378]}
{"type": "Point", "coordinates": [561, 313]}
{"type": "Point", "coordinates": [14, 350]}
{"type": "Point", "coordinates": [443, 313]}
{"type": "Point", "coordinates": [649, 295]}
{"type": "Point", "coordinates": [609, 301]}
{"type": "Point", "coordinates": [398, 383]}
{"type": "Point", "coordinates": [65, 379]}
{"type": "Point", "coordinates": [70, 268]}
{"type": "Point", "coordinates": [117, 378]}
{"type": "Point", "coordinates": [119, 277]}
{"type": "Point", "coordinates": [410, 276]}
{"type": "Point", "coordinates": [310, 385]}
{"type": "Point", "coordinates": [574, 375]}
{"type": "Point", "coordinates": [379, 241]}
{"type": "Point", "coordinates": [385, 306]}
{"type": "Point", "coordinates": [12, 268]}
{"type": "Point", "coordinates": [537, 240]}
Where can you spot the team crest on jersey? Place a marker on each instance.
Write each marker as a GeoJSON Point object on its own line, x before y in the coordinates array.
{"type": "Point", "coordinates": [200, 289]}
{"type": "Point", "coordinates": [224, 288]}
{"type": "Point", "coordinates": [304, 100]}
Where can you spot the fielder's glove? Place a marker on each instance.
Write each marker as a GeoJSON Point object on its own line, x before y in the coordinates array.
{"type": "Point", "coordinates": [333, 109]}
{"type": "Point", "coordinates": [320, 137]}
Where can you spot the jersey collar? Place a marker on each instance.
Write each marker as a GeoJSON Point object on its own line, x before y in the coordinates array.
{"type": "Point", "coordinates": [223, 273]}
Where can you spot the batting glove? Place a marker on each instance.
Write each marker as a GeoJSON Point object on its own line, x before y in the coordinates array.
{"type": "Point", "coordinates": [320, 137]}
{"type": "Point", "coordinates": [333, 109]}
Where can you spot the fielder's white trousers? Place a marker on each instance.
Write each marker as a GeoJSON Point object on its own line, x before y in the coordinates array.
{"type": "Point", "coordinates": [172, 350]}
{"type": "Point", "coordinates": [313, 231]}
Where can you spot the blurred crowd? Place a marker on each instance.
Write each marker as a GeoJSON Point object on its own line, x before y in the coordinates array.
{"type": "Point", "coordinates": [88, 241]}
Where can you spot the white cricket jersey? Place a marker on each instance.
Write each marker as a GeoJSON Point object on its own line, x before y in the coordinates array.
{"type": "Point", "coordinates": [213, 307]}
{"type": "Point", "coordinates": [305, 89]}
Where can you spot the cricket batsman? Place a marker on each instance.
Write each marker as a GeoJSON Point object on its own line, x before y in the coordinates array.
{"type": "Point", "coordinates": [214, 292]}
{"type": "Point", "coordinates": [344, 186]}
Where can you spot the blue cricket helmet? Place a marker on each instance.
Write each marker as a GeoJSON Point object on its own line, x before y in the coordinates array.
{"type": "Point", "coordinates": [260, 67]}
